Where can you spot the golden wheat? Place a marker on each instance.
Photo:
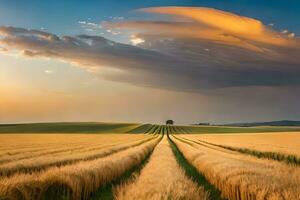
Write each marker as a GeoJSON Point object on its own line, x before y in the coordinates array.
{"type": "Point", "coordinates": [21, 143]}
{"type": "Point", "coordinates": [61, 149]}
{"type": "Point", "coordinates": [43, 162]}
{"type": "Point", "coordinates": [243, 177]}
{"type": "Point", "coordinates": [161, 178]}
{"type": "Point", "coordinates": [285, 142]}
{"type": "Point", "coordinates": [81, 179]}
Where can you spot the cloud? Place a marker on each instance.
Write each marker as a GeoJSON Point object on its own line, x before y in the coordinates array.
{"type": "Point", "coordinates": [291, 35]}
{"type": "Point", "coordinates": [214, 25]}
{"type": "Point", "coordinates": [90, 52]}
{"type": "Point", "coordinates": [2, 49]}
{"type": "Point", "coordinates": [209, 49]}
{"type": "Point", "coordinates": [89, 26]}
{"type": "Point", "coordinates": [82, 22]}
{"type": "Point", "coordinates": [226, 23]}
{"type": "Point", "coordinates": [48, 71]}
{"type": "Point", "coordinates": [135, 40]}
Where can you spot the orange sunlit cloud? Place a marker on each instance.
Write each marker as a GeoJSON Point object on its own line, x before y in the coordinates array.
{"type": "Point", "coordinates": [187, 30]}
{"type": "Point", "coordinates": [214, 25]}
{"type": "Point", "coordinates": [209, 49]}
{"type": "Point", "coordinates": [226, 22]}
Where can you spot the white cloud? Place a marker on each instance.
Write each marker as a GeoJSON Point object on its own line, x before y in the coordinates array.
{"type": "Point", "coordinates": [115, 32]}
{"type": "Point", "coordinates": [291, 35]}
{"type": "Point", "coordinates": [82, 22]}
{"type": "Point", "coordinates": [89, 30]}
{"type": "Point", "coordinates": [135, 41]}
{"type": "Point", "coordinates": [48, 71]}
{"type": "Point", "coordinates": [92, 24]}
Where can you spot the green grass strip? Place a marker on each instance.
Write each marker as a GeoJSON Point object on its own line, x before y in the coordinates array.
{"type": "Point", "coordinates": [193, 173]}
{"type": "Point", "coordinates": [150, 131]}
{"type": "Point", "coordinates": [156, 127]}
{"type": "Point", "coordinates": [192, 142]}
{"type": "Point", "coordinates": [226, 129]}
{"type": "Point", "coordinates": [159, 129]}
{"type": "Point", "coordinates": [142, 129]}
{"type": "Point", "coordinates": [289, 159]}
{"type": "Point", "coordinates": [106, 192]}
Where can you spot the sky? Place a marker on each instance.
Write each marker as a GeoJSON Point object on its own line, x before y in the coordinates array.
{"type": "Point", "coordinates": [147, 61]}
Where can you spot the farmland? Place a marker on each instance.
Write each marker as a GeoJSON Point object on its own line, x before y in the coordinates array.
{"type": "Point", "coordinates": [284, 143]}
{"type": "Point", "coordinates": [145, 161]}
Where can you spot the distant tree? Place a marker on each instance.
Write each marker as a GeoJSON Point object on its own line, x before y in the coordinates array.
{"type": "Point", "coordinates": [169, 122]}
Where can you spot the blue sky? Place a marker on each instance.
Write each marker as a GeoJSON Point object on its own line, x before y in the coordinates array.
{"type": "Point", "coordinates": [227, 61]}
{"type": "Point", "coordinates": [62, 16]}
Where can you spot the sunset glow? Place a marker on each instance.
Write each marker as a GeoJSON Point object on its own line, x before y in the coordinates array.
{"type": "Point", "coordinates": [208, 57]}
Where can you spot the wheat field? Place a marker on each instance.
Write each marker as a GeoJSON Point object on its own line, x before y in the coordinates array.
{"type": "Point", "coordinates": [156, 162]}
{"type": "Point", "coordinates": [243, 177]}
{"type": "Point", "coordinates": [282, 142]}
{"type": "Point", "coordinates": [161, 178]}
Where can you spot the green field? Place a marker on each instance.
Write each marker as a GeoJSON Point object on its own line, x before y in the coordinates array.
{"type": "Point", "coordinates": [226, 129]}
{"type": "Point", "coordinates": [98, 127]}
{"type": "Point", "coordinates": [68, 127]}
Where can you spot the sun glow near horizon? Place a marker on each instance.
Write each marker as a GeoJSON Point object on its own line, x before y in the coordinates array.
{"type": "Point", "coordinates": [159, 60]}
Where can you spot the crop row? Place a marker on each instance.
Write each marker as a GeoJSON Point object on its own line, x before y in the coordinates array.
{"type": "Point", "coordinates": [62, 149]}
{"type": "Point", "coordinates": [13, 144]}
{"type": "Point", "coordinates": [44, 162]}
{"type": "Point", "coordinates": [161, 178]}
{"type": "Point", "coordinates": [75, 181]}
{"type": "Point", "coordinates": [238, 176]}
{"type": "Point", "coordinates": [289, 159]}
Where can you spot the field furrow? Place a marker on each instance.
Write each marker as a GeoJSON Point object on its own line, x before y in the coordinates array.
{"type": "Point", "coordinates": [158, 162]}
{"type": "Point", "coordinates": [76, 181]}
{"type": "Point", "coordinates": [142, 129]}
{"type": "Point", "coordinates": [153, 129]}
{"type": "Point", "coordinates": [64, 151]}
{"type": "Point", "coordinates": [161, 178]}
{"type": "Point", "coordinates": [287, 143]}
{"type": "Point", "coordinates": [193, 173]}
{"type": "Point", "coordinates": [22, 143]}
{"type": "Point", "coordinates": [289, 159]}
{"type": "Point", "coordinates": [42, 163]}
{"type": "Point", "coordinates": [240, 176]}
